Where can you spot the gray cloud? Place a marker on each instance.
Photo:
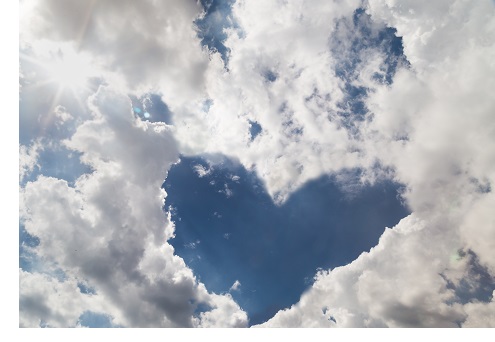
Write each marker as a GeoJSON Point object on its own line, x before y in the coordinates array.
{"type": "Point", "coordinates": [110, 230]}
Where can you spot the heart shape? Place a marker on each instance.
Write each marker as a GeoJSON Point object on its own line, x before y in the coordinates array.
{"type": "Point", "coordinates": [228, 229]}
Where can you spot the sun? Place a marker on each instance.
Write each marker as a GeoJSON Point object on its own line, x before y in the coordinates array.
{"type": "Point", "coordinates": [69, 71]}
{"type": "Point", "coordinates": [63, 67]}
{"type": "Point", "coordinates": [62, 74]}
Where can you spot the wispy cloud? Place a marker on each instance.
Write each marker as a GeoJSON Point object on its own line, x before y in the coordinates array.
{"type": "Point", "coordinates": [235, 286]}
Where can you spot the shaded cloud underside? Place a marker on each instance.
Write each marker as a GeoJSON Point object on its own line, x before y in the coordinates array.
{"type": "Point", "coordinates": [425, 122]}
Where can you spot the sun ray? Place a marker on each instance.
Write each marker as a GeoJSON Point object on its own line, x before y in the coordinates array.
{"type": "Point", "coordinates": [65, 72]}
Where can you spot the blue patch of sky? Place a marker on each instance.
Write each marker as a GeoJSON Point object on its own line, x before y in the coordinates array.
{"type": "Point", "coordinates": [28, 260]}
{"type": "Point", "coordinates": [482, 187]}
{"type": "Point", "coordinates": [477, 285]}
{"type": "Point", "coordinates": [270, 76]}
{"type": "Point", "coordinates": [37, 118]}
{"type": "Point", "coordinates": [274, 251]}
{"type": "Point", "coordinates": [200, 308]}
{"type": "Point", "coordinates": [293, 129]}
{"type": "Point", "coordinates": [210, 27]}
{"type": "Point", "coordinates": [325, 312]}
{"type": "Point", "coordinates": [59, 162]}
{"type": "Point", "coordinates": [95, 320]}
{"type": "Point", "coordinates": [86, 289]}
{"type": "Point", "coordinates": [254, 129]}
{"type": "Point", "coordinates": [207, 105]}
{"type": "Point", "coordinates": [150, 107]}
{"type": "Point", "coordinates": [353, 39]}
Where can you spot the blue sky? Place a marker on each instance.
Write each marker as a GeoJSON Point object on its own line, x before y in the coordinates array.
{"type": "Point", "coordinates": [228, 163]}
{"type": "Point", "coordinates": [273, 251]}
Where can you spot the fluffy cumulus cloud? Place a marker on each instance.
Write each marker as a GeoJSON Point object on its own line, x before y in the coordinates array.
{"type": "Point", "coordinates": [433, 126]}
{"type": "Point", "coordinates": [109, 232]}
{"type": "Point", "coordinates": [399, 89]}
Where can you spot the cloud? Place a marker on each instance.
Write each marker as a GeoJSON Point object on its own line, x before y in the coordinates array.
{"type": "Point", "coordinates": [432, 127]}
{"type": "Point", "coordinates": [445, 109]}
{"type": "Point", "coordinates": [278, 79]}
{"type": "Point", "coordinates": [47, 301]}
{"type": "Point", "coordinates": [329, 89]}
{"type": "Point", "coordinates": [225, 314]}
{"type": "Point", "coordinates": [192, 245]}
{"type": "Point", "coordinates": [291, 88]}
{"type": "Point", "coordinates": [62, 115]}
{"type": "Point", "coordinates": [476, 230]}
{"type": "Point", "coordinates": [226, 191]}
{"type": "Point", "coordinates": [109, 229]}
{"type": "Point", "coordinates": [144, 45]}
{"type": "Point", "coordinates": [480, 315]}
{"type": "Point", "coordinates": [28, 159]}
{"type": "Point", "coordinates": [235, 286]}
{"type": "Point", "coordinates": [201, 170]}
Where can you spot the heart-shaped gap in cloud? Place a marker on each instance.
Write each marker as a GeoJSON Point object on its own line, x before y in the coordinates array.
{"type": "Point", "coordinates": [229, 231]}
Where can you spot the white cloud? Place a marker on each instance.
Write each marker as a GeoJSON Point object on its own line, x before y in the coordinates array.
{"type": "Point", "coordinates": [477, 229]}
{"type": "Point", "coordinates": [28, 158]}
{"type": "Point", "coordinates": [226, 191]}
{"type": "Point", "coordinates": [235, 286]}
{"type": "Point", "coordinates": [192, 245]}
{"type": "Point", "coordinates": [201, 170]}
{"type": "Point", "coordinates": [444, 106]}
{"type": "Point", "coordinates": [480, 315]}
{"type": "Point", "coordinates": [62, 115]}
{"type": "Point", "coordinates": [433, 126]}
{"type": "Point", "coordinates": [55, 303]}
{"type": "Point", "coordinates": [225, 314]}
{"type": "Point", "coordinates": [110, 230]}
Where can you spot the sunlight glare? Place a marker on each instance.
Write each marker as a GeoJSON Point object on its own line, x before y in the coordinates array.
{"type": "Point", "coordinates": [69, 70]}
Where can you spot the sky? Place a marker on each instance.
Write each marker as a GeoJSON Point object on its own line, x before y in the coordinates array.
{"type": "Point", "coordinates": [230, 163]}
